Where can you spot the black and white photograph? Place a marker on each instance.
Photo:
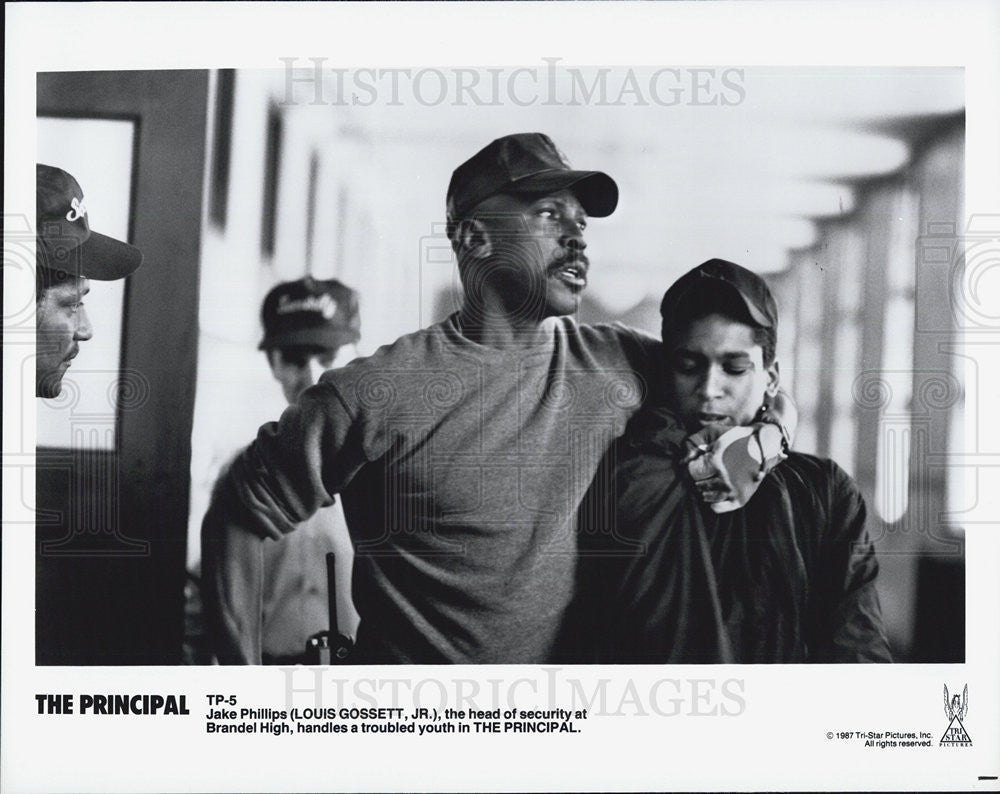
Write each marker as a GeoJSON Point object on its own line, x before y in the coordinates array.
{"type": "Point", "coordinates": [632, 393]}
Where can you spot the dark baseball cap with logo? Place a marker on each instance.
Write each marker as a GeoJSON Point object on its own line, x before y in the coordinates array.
{"type": "Point", "coordinates": [64, 239]}
{"type": "Point", "coordinates": [711, 277]}
{"type": "Point", "coordinates": [310, 313]}
{"type": "Point", "coordinates": [526, 163]}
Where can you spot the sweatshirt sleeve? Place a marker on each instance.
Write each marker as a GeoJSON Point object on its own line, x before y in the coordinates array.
{"type": "Point", "coordinates": [295, 465]}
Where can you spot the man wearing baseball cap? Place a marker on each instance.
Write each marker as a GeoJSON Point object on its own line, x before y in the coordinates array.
{"type": "Point", "coordinates": [462, 451]}
{"type": "Point", "coordinates": [68, 256]}
{"type": "Point", "coordinates": [789, 576]}
{"type": "Point", "coordinates": [310, 326]}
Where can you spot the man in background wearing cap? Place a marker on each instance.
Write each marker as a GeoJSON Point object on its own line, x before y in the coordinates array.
{"type": "Point", "coordinates": [789, 576]}
{"type": "Point", "coordinates": [310, 326]}
{"type": "Point", "coordinates": [462, 451]}
{"type": "Point", "coordinates": [68, 256]}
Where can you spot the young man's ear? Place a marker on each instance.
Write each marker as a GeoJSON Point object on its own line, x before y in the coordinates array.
{"type": "Point", "coordinates": [773, 380]}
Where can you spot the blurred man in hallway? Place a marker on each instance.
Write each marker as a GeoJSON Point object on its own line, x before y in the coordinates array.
{"type": "Point", "coordinates": [310, 326]}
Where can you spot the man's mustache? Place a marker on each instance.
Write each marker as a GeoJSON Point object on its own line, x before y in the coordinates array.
{"type": "Point", "coordinates": [569, 256]}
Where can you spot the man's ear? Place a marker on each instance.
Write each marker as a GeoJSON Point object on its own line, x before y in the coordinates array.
{"type": "Point", "coordinates": [773, 380]}
{"type": "Point", "coordinates": [472, 239]}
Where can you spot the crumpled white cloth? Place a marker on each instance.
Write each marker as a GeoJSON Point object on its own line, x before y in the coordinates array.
{"type": "Point", "coordinates": [728, 466]}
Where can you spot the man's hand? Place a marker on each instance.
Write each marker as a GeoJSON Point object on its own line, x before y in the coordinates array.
{"type": "Point", "coordinates": [728, 464]}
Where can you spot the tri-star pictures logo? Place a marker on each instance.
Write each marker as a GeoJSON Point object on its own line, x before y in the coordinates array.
{"type": "Point", "coordinates": [955, 710]}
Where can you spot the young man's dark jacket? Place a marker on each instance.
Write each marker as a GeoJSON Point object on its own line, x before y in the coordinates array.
{"type": "Point", "coordinates": [790, 577]}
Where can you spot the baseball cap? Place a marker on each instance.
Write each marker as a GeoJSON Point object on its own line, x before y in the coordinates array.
{"type": "Point", "coordinates": [64, 238]}
{"type": "Point", "coordinates": [310, 313]}
{"type": "Point", "coordinates": [718, 274]}
{"type": "Point", "coordinates": [527, 162]}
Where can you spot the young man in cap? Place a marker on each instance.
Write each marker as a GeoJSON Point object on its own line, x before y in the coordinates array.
{"type": "Point", "coordinates": [787, 577]}
{"type": "Point", "coordinates": [68, 255]}
{"type": "Point", "coordinates": [310, 326]}
{"type": "Point", "coordinates": [462, 451]}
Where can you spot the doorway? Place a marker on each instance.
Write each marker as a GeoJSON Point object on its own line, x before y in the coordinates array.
{"type": "Point", "coordinates": [113, 461]}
